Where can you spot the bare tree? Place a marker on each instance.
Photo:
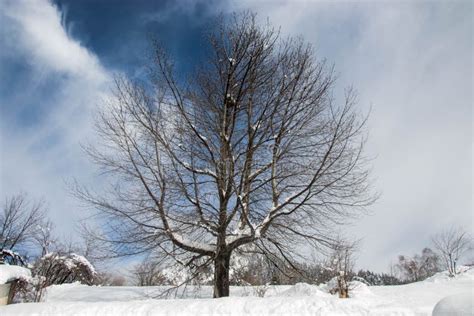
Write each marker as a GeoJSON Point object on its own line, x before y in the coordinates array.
{"type": "Point", "coordinates": [19, 222]}
{"type": "Point", "coordinates": [44, 237]}
{"type": "Point", "coordinates": [253, 149]}
{"type": "Point", "coordinates": [148, 273]}
{"type": "Point", "coordinates": [92, 246]}
{"type": "Point", "coordinates": [451, 244]}
{"type": "Point", "coordinates": [341, 264]}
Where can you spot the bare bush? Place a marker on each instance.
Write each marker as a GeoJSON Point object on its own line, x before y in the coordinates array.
{"type": "Point", "coordinates": [60, 269]}
{"type": "Point", "coordinates": [341, 263]}
{"type": "Point", "coordinates": [260, 290]}
{"type": "Point", "coordinates": [54, 268]}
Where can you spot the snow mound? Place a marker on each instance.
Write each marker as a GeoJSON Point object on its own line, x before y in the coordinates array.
{"type": "Point", "coordinates": [359, 289]}
{"type": "Point", "coordinates": [464, 272]}
{"type": "Point", "coordinates": [8, 273]}
{"type": "Point", "coordinates": [455, 305]}
{"type": "Point", "coordinates": [303, 289]}
{"type": "Point", "coordinates": [330, 285]}
{"type": "Point", "coordinates": [356, 288]}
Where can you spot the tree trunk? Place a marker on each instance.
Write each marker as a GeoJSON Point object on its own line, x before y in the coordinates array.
{"type": "Point", "coordinates": [344, 293]}
{"type": "Point", "coordinates": [450, 266]}
{"type": "Point", "coordinates": [221, 275]}
{"type": "Point", "coordinates": [343, 287]}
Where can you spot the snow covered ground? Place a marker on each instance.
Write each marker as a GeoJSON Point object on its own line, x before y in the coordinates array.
{"type": "Point", "coordinates": [8, 273]}
{"type": "Point", "coordinates": [302, 299]}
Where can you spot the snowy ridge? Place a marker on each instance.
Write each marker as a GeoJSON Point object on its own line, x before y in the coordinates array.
{"type": "Point", "coordinates": [464, 272]}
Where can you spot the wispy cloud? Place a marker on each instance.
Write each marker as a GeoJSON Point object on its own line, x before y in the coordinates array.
{"type": "Point", "coordinates": [61, 82]}
{"type": "Point", "coordinates": [39, 35]}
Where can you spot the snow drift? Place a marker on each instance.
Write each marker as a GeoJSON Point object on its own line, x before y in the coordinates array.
{"type": "Point", "coordinates": [455, 305]}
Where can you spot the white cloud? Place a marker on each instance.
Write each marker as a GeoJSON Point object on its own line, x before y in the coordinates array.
{"type": "Point", "coordinates": [65, 83]}
{"type": "Point", "coordinates": [40, 33]}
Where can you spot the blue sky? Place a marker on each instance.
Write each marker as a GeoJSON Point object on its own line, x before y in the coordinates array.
{"type": "Point", "coordinates": [410, 61]}
{"type": "Point", "coordinates": [118, 31]}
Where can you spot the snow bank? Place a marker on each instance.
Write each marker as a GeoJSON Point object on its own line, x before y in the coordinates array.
{"type": "Point", "coordinates": [464, 272]}
{"type": "Point", "coordinates": [8, 272]}
{"type": "Point", "coordinates": [76, 292]}
{"type": "Point", "coordinates": [359, 289]}
{"type": "Point", "coordinates": [455, 305]}
{"type": "Point", "coordinates": [421, 297]}
{"type": "Point", "coordinates": [303, 289]}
